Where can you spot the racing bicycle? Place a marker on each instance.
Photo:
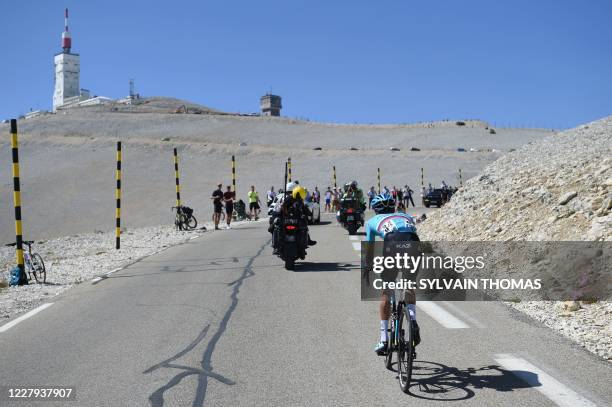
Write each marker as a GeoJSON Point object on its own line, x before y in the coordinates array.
{"type": "Point", "coordinates": [401, 342]}
{"type": "Point", "coordinates": [184, 219]}
{"type": "Point", "coordinates": [34, 264]}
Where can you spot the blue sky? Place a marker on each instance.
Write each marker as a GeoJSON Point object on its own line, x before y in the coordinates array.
{"type": "Point", "coordinates": [545, 63]}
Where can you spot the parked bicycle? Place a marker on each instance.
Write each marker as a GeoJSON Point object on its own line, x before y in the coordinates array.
{"type": "Point", "coordinates": [34, 264]}
{"type": "Point", "coordinates": [184, 218]}
{"type": "Point", "coordinates": [401, 343]}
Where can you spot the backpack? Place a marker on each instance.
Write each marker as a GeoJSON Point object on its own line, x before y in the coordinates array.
{"type": "Point", "coordinates": [14, 276]}
{"type": "Point", "coordinates": [187, 211]}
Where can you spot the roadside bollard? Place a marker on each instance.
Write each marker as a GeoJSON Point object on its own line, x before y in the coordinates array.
{"type": "Point", "coordinates": [460, 178]}
{"type": "Point", "coordinates": [289, 169]}
{"type": "Point", "coordinates": [23, 280]}
{"type": "Point", "coordinates": [422, 178]}
{"type": "Point", "coordinates": [176, 179]}
{"type": "Point", "coordinates": [335, 182]}
{"type": "Point", "coordinates": [118, 199]}
{"type": "Point", "coordinates": [378, 174]}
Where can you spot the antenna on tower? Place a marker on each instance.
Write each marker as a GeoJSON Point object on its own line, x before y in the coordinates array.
{"type": "Point", "coordinates": [132, 93]}
{"type": "Point", "coordinates": [66, 39]}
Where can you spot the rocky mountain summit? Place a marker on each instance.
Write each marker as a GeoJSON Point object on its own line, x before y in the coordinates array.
{"type": "Point", "coordinates": [555, 189]}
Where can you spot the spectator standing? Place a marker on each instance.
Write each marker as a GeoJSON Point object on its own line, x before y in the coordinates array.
{"type": "Point", "coordinates": [254, 203]}
{"type": "Point", "coordinates": [408, 197]}
{"type": "Point", "coordinates": [400, 196]}
{"type": "Point", "coordinates": [335, 200]}
{"type": "Point", "coordinates": [271, 195]}
{"type": "Point", "coordinates": [328, 197]}
{"type": "Point", "coordinates": [228, 198]}
{"type": "Point", "coordinates": [217, 199]}
{"type": "Point", "coordinates": [371, 194]}
{"type": "Point", "coordinates": [316, 195]}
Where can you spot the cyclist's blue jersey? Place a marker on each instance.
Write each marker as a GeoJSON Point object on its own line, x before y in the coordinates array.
{"type": "Point", "coordinates": [382, 224]}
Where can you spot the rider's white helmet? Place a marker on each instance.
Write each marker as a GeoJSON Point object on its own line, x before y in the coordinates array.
{"type": "Point", "coordinates": [290, 186]}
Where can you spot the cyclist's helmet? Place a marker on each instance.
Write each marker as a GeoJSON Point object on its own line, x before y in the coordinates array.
{"type": "Point", "coordinates": [290, 186]}
{"type": "Point", "coordinates": [383, 203]}
{"type": "Point", "coordinates": [354, 184]}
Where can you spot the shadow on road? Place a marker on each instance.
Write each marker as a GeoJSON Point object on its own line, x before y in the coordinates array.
{"type": "Point", "coordinates": [323, 267]}
{"type": "Point", "coordinates": [436, 381]}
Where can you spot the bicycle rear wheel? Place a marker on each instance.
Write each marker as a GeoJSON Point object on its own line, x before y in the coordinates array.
{"type": "Point", "coordinates": [191, 223]}
{"type": "Point", "coordinates": [405, 350]}
{"type": "Point", "coordinates": [38, 268]}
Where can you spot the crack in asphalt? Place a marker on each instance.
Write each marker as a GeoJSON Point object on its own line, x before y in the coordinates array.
{"type": "Point", "coordinates": [156, 398]}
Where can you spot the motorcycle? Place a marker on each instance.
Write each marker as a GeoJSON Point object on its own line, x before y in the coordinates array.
{"type": "Point", "coordinates": [292, 239]}
{"type": "Point", "coordinates": [350, 215]}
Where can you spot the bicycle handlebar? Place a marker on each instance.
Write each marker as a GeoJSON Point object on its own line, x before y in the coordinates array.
{"type": "Point", "coordinates": [26, 242]}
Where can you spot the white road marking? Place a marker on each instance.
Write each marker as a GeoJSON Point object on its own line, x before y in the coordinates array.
{"type": "Point", "coordinates": [354, 237]}
{"type": "Point", "coordinates": [25, 316]}
{"type": "Point", "coordinates": [113, 271]}
{"type": "Point", "coordinates": [442, 316]}
{"type": "Point", "coordinates": [463, 314]}
{"type": "Point", "coordinates": [357, 246]}
{"type": "Point", "coordinates": [95, 280]}
{"type": "Point", "coordinates": [547, 385]}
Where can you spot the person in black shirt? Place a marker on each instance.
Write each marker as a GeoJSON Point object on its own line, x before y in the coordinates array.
{"type": "Point", "coordinates": [228, 198]}
{"type": "Point", "coordinates": [217, 198]}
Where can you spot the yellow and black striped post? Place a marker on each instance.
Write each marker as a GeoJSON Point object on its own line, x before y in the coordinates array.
{"type": "Point", "coordinates": [378, 175]}
{"type": "Point", "coordinates": [234, 174]}
{"type": "Point", "coordinates": [118, 199]}
{"type": "Point", "coordinates": [176, 179]}
{"type": "Point", "coordinates": [335, 182]}
{"type": "Point", "coordinates": [422, 178]}
{"type": "Point", "coordinates": [460, 178]}
{"type": "Point", "coordinates": [289, 169]}
{"type": "Point", "coordinates": [17, 203]}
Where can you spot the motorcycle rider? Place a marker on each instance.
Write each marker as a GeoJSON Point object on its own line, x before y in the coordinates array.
{"type": "Point", "coordinates": [353, 192]}
{"type": "Point", "coordinates": [394, 228]}
{"type": "Point", "coordinates": [294, 197]}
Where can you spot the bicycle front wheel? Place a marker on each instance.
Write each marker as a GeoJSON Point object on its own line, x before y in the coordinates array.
{"type": "Point", "coordinates": [405, 350]}
{"type": "Point", "coordinates": [38, 268]}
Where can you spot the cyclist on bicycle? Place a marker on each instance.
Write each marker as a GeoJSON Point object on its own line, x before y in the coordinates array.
{"type": "Point", "coordinates": [392, 227]}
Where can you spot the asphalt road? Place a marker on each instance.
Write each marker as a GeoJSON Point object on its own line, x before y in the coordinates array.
{"type": "Point", "coordinates": [218, 321]}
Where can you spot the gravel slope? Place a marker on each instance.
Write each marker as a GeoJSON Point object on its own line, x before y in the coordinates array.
{"type": "Point", "coordinates": [556, 189]}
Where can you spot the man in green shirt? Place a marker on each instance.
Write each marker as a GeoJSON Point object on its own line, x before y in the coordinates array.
{"type": "Point", "coordinates": [254, 203]}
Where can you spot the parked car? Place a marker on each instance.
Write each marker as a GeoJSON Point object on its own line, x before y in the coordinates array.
{"type": "Point", "coordinates": [315, 208]}
{"type": "Point", "coordinates": [317, 149]}
{"type": "Point", "coordinates": [394, 149]}
{"type": "Point", "coordinates": [353, 148]}
{"type": "Point", "coordinates": [415, 149]}
{"type": "Point", "coordinates": [434, 197]}
{"type": "Point", "coordinates": [461, 150]}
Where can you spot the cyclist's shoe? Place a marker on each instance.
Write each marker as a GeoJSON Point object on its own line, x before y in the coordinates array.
{"type": "Point", "coordinates": [311, 242]}
{"type": "Point", "coordinates": [381, 348]}
{"type": "Point", "coordinates": [416, 333]}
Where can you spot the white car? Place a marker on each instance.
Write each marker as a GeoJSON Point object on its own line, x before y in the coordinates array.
{"type": "Point", "coordinates": [314, 207]}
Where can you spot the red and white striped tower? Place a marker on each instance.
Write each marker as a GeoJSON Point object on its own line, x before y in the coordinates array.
{"type": "Point", "coordinates": [66, 39]}
{"type": "Point", "coordinates": [67, 71]}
